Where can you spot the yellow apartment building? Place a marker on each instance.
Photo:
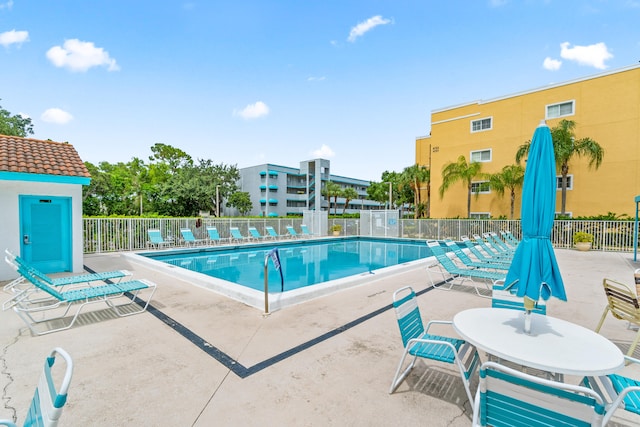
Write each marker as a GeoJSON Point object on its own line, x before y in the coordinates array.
{"type": "Point", "coordinates": [605, 108]}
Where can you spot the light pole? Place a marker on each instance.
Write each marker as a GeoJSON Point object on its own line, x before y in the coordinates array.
{"type": "Point", "coordinates": [390, 193]}
{"type": "Point", "coordinates": [217, 201]}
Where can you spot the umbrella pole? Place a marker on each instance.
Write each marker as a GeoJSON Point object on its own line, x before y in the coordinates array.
{"type": "Point", "coordinates": [528, 307]}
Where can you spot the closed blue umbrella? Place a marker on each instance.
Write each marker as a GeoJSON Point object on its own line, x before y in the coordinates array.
{"type": "Point", "coordinates": [534, 267]}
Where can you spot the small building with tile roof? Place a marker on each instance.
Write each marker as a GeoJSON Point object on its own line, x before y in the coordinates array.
{"type": "Point", "coordinates": [41, 199]}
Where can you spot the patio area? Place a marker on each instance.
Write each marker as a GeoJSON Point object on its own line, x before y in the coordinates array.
{"type": "Point", "coordinates": [198, 359]}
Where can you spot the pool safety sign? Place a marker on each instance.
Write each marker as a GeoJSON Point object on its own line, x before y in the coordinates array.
{"type": "Point", "coordinates": [275, 257]}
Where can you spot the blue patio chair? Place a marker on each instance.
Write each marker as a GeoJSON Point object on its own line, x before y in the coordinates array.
{"type": "Point", "coordinates": [617, 390]}
{"type": "Point", "coordinates": [468, 262]}
{"type": "Point", "coordinates": [272, 232]}
{"type": "Point", "coordinates": [419, 343]}
{"type": "Point", "coordinates": [156, 239]}
{"type": "Point", "coordinates": [47, 403]}
{"type": "Point", "coordinates": [292, 232]}
{"type": "Point", "coordinates": [503, 296]}
{"type": "Point", "coordinates": [189, 239]}
{"type": "Point", "coordinates": [507, 397]}
{"type": "Point", "coordinates": [236, 235]}
{"type": "Point", "coordinates": [481, 256]}
{"type": "Point", "coordinates": [255, 234]}
{"type": "Point", "coordinates": [305, 231]}
{"type": "Point", "coordinates": [444, 273]}
{"type": "Point", "coordinates": [60, 303]}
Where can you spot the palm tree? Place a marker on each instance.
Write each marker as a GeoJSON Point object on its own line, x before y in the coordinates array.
{"type": "Point", "coordinates": [565, 146]}
{"type": "Point", "coordinates": [414, 176]}
{"type": "Point", "coordinates": [460, 170]}
{"type": "Point", "coordinates": [510, 178]}
{"type": "Point", "coordinates": [349, 194]}
{"type": "Point", "coordinates": [331, 189]}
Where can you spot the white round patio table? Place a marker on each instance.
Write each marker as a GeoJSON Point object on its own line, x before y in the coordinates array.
{"type": "Point", "coordinates": [554, 345]}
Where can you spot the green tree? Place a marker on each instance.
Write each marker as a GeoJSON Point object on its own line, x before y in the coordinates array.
{"type": "Point", "coordinates": [14, 125]}
{"type": "Point", "coordinates": [460, 170]}
{"type": "Point", "coordinates": [379, 191]}
{"type": "Point", "coordinates": [349, 194]}
{"type": "Point", "coordinates": [413, 177]}
{"type": "Point", "coordinates": [241, 201]}
{"type": "Point", "coordinates": [565, 146]}
{"type": "Point", "coordinates": [511, 177]}
{"type": "Point", "coordinates": [332, 190]}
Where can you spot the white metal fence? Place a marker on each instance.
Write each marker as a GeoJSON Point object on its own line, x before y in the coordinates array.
{"type": "Point", "coordinates": [130, 234]}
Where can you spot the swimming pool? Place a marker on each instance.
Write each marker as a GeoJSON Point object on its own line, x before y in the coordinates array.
{"type": "Point", "coordinates": [310, 267]}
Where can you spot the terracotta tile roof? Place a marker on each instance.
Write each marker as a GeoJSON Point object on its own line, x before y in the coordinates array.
{"type": "Point", "coordinates": [36, 156]}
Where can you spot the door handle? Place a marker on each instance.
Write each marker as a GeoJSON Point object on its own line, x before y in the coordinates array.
{"type": "Point", "coordinates": [25, 239]}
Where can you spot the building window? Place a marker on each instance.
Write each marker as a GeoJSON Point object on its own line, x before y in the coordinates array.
{"type": "Point", "coordinates": [480, 187]}
{"type": "Point", "coordinates": [481, 156]}
{"type": "Point", "coordinates": [559, 182]}
{"type": "Point", "coordinates": [481, 124]}
{"type": "Point", "coordinates": [560, 110]}
{"type": "Point", "coordinates": [480, 215]}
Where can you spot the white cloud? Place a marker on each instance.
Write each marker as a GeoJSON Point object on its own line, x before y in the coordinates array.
{"type": "Point", "coordinates": [365, 26]}
{"type": "Point", "coordinates": [77, 55]}
{"type": "Point", "coordinates": [7, 5]}
{"type": "Point", "coordinates": [253, 111]}
{"type": "Point", "coordinates": [323, 152]}
{"type": "Point", "coordinates": [551, 64]}
{"type": "Point", "coordinates": [316, 79]}
{"type": "Point", "coordinates": [593, 55]}
{"type": "Point", "coordinates": [13, 37]}
{"type": "Point", "coordinates": [56, 115]}
{"type": "Point", "coordinates": [24, 116]}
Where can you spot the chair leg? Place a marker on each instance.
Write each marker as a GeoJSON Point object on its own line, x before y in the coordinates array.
{"type": "Point", "coordinates": [633, 345]}
{"type": "Point", "coordinates": [604, 314]}
{"type": "Point", "coordinates": [398, 378]}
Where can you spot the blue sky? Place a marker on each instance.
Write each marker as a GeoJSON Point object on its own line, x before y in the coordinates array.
{"type": "Point", "coordinates": [248, 82]}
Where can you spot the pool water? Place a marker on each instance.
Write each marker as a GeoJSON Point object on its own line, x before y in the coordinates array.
{"type": "Point", "coordinates": [304, 263]}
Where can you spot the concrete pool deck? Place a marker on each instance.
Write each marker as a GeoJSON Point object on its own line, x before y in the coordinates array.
{"type": "Point", "coordinates": [200, 359]}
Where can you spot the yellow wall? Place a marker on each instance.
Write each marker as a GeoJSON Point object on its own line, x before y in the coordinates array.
{"type": "Point", "coordinates": [607, 109]}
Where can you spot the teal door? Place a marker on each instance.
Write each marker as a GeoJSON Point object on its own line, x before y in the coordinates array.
{"type": "Point", "coordinates": [45, 232]}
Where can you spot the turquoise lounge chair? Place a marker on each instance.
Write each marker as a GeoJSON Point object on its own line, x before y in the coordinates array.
{"type": "Point", "coordinates": [481, 256]}
{"type": "Point", "coordinates": [236, 236]}
{"type": "Point", "coordinates": [272, 232]}
{"type": "Point", "coordinates": [490, 250]}
{"type": "Point", "coordinates": [156, 239]}
{"type": "Point", "coordinates": [255, 234]}
{"type": "Point", "coordinates": [497, 243]}
{"type": "Point", "coordinates": [468, 262]}
{"type": "Point", "coordinates": [47, 403]}
{"type": "Point", "coordinates": [292, 232]}
{"type": "Point", "coordinates": [507, 397]}
{"type": "Point", "coordinates": [214, 236]}
{"type": "Point", "coordinates": [510, 238]}
{"type": "Point", "coordinates": [189, 239]}
{"type": "Point", "coordinates": [60, 303]}
{"type": "Point", "coordinates": [20, 287]}
{"type": "Point", "coordinates": [419, 343]}
{"type": "Point", "coordinates": [305, 231]}
{"type": "Point", "coordinates": [444, 274]}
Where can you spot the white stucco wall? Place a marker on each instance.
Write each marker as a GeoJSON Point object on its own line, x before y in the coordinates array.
{"type": "Point", "coordinates": [10, 217]}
